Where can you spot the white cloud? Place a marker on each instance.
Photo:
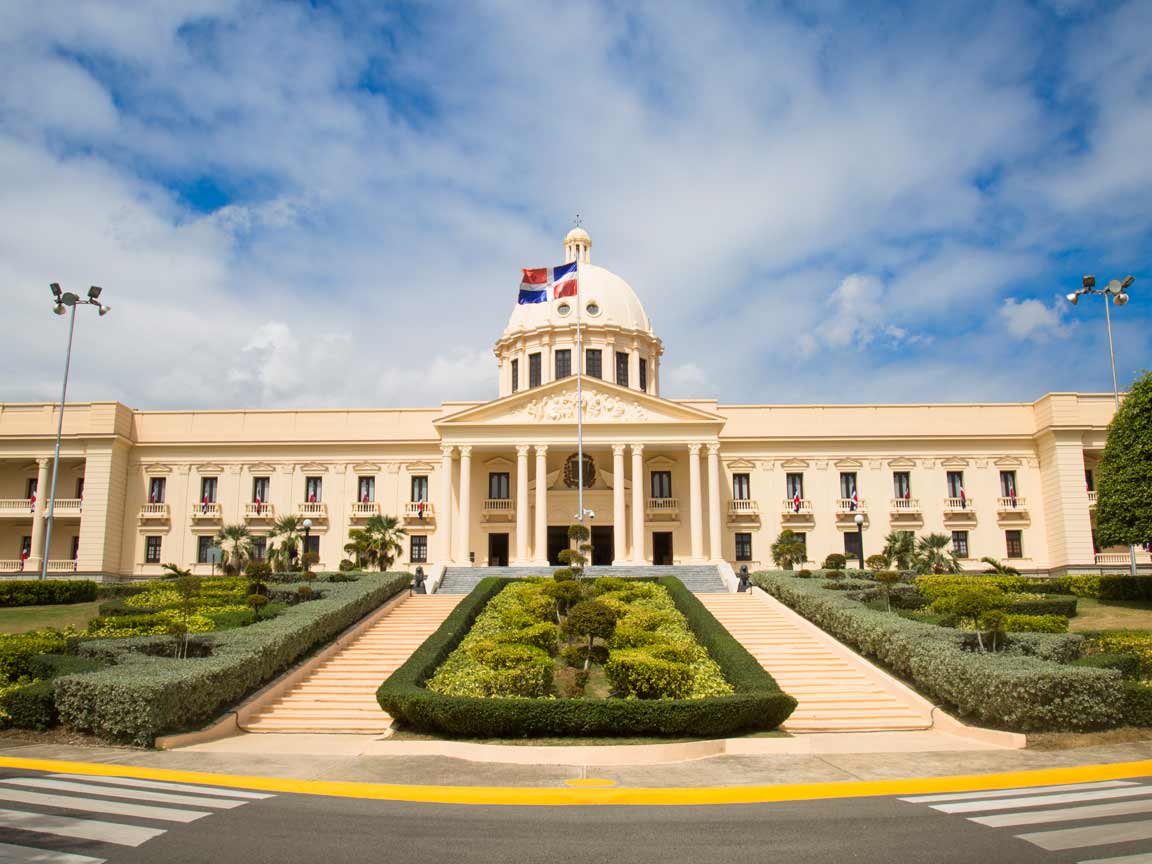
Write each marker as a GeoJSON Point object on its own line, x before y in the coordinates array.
{"type": "Point", "coordinates": [684, 380]}
{"type": "Point", "coordinates": [1033, 319]}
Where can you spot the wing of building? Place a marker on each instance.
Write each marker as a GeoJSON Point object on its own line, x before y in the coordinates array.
{"type": "Point", "coordinates": [670, 481]}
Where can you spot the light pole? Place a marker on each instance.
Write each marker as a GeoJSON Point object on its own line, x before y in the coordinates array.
{"type": "Point", "coordinates": [64, 302]}
{"type": "Point", "coordinates": [307, 534]}
{"type": "Point", "coordinates": [1117, 292]}
{"type": "Point", "coordinates": [860, 530]}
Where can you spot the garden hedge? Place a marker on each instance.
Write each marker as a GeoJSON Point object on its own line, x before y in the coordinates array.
{"type": "Point", "coordinates": [757, 703]}
{"type": "Point", "coordinates": [1044, 604]}
{"type": "Point", "coordinates": [144, 695]}
{"type": "Point", "coordinates": [46, 592]}
{"type": "Point", "coordinates": [1028, 687]}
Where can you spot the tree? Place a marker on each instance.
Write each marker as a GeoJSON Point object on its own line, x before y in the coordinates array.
{"type": "Point", "coordinates": [877, 562]}
{"type": "Point", "coordinates": [1124, 477]}
{"type": "Point", "coordinates": [999, 568]}
{"type": "Point", "coordinates": [590, 618]}
{"type": "Point", "coordinates": [287, 532]}
{"type": "Point", "coordinates": [934, 556]}
{"type": "Point", "coordinates": [175, 571]}
{"type": "Point", "coordinates": [971, 602]}
{"type": "Point", "coordinates": [900, 549]}
{"type": "Point", "coordinates": [235, 545]}
{"type": "Point", "coordinates": [789, 549]}
{"type": "Point", "coordinates": [188, 587]}
{"type": "Point", "coordinates": [577, 557]}
{"type": "Point", "coordinates": [886, 579]}
{"type": "Point", "coordinates": [377, 544]}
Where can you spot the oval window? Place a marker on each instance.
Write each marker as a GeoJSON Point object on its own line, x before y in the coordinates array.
{"type": "Point", "coordinates": [593, 308]}
{"type": "Point", "coordinates": [563, 309]}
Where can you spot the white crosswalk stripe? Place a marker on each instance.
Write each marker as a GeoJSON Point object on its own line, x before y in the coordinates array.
{"type": "Point", "coordinates": [117, 798]}
{"type": "Point", "coordinates": [1089, 815]}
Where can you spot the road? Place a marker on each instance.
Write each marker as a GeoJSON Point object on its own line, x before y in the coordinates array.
{"type": "Point", "coordinates": [73, 819]}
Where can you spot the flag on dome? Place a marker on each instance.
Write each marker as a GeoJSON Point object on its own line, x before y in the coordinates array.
{"type": "Point", "coordinates": [547, 283]}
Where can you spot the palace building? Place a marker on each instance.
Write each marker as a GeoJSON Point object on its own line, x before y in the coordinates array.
{"type": "Point", "coordinates": [494, 483]}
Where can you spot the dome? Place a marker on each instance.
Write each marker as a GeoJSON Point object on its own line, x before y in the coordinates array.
{"type": "Point", "coordinates": [577, 233]}
{"type": "Point", "coordinates": [606, 300]}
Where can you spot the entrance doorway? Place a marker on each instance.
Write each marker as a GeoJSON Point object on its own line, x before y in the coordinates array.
{"type": "Point", "coordinates": [557, 543]}
{"type": "Point", "coordinates": [603, 546]}
{"type": "Point", "coordinates": [662, 548]}
{"type": "Point", "coordinates": [497, 550]}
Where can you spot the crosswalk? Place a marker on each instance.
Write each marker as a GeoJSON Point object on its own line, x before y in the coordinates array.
{"type": "Point", "coordinates": [42, 817]}
{"type": "Point", "coordinates": [1071, 818]}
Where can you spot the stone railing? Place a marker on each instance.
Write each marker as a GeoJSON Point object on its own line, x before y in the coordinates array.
{"type": "Point", "coordinates": [958, 505]}
{"type": "Point", "coordinates": [364, 509]}
{"type": "Point", "coordinates": [261, 511]}
{"type": "Point", "coordinates": [790, 507]}
{"type": "Point", "coordinates": [67, 506]}
{"type": "Point", "coordinates": [904, 506]}
{"type": "Point", "coordinates": [312, 509]}
{"type": "Point", "coordinates": [1010, 505]}
{"type": "Point", "coordinates": [1092, 499]}
{"type": "Point", "coordinates": [153, 512]}
{"type": "Point", "coordinates": [743, 507]}
{"type": "Point", "coordinates": [1115, 559]}
{"type": "Point", "coordinates": [61, 566]}
{"type": "Point", "coordinates": [844, 506]}
{"type": "Point", "coordinates": [499, 508]}
{"type": "Point", "coordinates": [419, 510]}
{"type": "Point", "coordinates": [663, 508]}
{"type": "Point", "coordinates": [206, 512]}
{"type": "Point", "coordinates": [16, 507]}
{"type": "Point", "coordinates": [11, 565]}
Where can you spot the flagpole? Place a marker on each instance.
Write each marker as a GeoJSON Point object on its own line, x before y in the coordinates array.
{"type": "Point", "coordinates": [579, 397]}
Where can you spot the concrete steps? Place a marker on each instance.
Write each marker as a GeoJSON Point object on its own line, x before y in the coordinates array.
{"type": "Point", "coordinates": [699, 579]}
{"type": "Point", "coordinates": [837, 691]}
{"type": "Point", "coordinates": [339, 695]}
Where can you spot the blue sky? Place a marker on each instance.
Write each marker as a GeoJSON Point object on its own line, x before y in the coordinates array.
{"type": "Point", "coordinates": [328, 203]}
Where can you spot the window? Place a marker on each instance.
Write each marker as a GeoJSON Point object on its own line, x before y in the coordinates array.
{"type": "Point", "coordinates": [312, 544]}
{"type": "Point", "coordinates": [152, 550]}
{"type": "Point", "coordinates": [534, 370]}
{"type": "Point", "coordinates": [643, 374]}
{"type": "Point", "coordinates": [203, 545]}
{"type": "Point", "coordinates": [955, 483]}
{"type": "Point", "coordinates": [75, 546]}
{"type": "Point", "coordinates": [795, 485]}
{"type": "Point", "coordinates": [80, 488]}
{"type": "Point", "coordinates": [515, 375]}
{"type": "Point", "coordinates": [208, 490]}
{"type": "Point", "coordinates": [902, 484]}
{"type": "Point", "coordinates": [661, 484]}
{"type": "Point", "coordinates": [366, 489]}
{"type": "Point", "coordinates": [25, 546]}
{"type": "Point", "coordinates": [313, 489]}
{"type": "Point", "coordinates": [741, 487]}
{"type": "Point", "coordinates": [156, 488]}
{"type": "Point", "coordinates": [852, 546]}
{"type": "Point", "coordinates": [1089, 480]}
{"type": "Point", "coordinates": [259, 548]}
{"type": "Point", "coordinates": [1015, 543]}
{"type": "Point", "coordinates": [743, 547]}
{"type": "Point", "coordinates": [31, 488]}
{"type": "Point", "coordinates": [1008, 484]}
{"type": "Point", "coordinates": [498, 486]}
{"type": "Point", "coordinates": [260, 490]}
{"type": "Point", "coordinates": [419, 551]}
{"type": "Point", "coordinates": [960, 543]}
{"type": "Point", "coordinates": [420, 488]}
{"type": "Point", "coordinates": [802, 537]}
{"type": "Point", "coordinates": [563, 363]}
{"type": "Point", "coordinates": [847, 484]}
{"type": "Point", "coordinates": [593, 362]}
{"type": "Point", "coordinates": [622, 368]}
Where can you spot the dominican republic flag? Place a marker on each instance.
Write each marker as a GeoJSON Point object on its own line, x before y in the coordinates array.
{"type": "Point", "coordinates": [1012, 493]}
{"type": "Point", "coordinates": [796, 502]}
{"type": "Point", "coordinates": [548, 283]}
{"type": "Point", "coordinates": [855, 500]}
{"type": "Point", "coordinates": [963, 499]}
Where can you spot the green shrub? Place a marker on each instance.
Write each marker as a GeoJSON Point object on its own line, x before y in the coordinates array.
{"type": "Point", "coordinates": [544, 635]}
{"type": "Point", "coordinates": [1138, 643]}
{"type": "Point", "coordinates": [577, 655]}
{"type": "Point", "coordinates": [47, 592]}
{"type": "Point", "coordinates": [1127, 665]}
{"type": "Point", "coordinates": [1036, 623]}
{"type": "Point", "coordinates": [804, 574]}
{"type": "Point", "coordinates": [1046, 604]}
{"type": "Point", "coordinates": [1137, 703]}
{"type": "Point", "coordinates": [19, 653]}
{"type": "Point", "coordinates": [30, 706]}
{"type": "Point", "coordinates": [637, 673]}
{"type": "Point", "coordinates": [835, 561]}
{"type": "Point", "coordinates": [1111, 586]}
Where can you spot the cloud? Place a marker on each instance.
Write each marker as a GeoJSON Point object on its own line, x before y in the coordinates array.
{"type": "Point", "coordinates": [1033, 319]}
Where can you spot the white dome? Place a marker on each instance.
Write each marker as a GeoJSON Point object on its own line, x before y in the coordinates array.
{"type": "Point", "coordinates": [606, 300]}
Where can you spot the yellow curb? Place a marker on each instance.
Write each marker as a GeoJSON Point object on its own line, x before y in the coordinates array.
{"type": "Point", "coordinates": [558, 797]}
{"type": "Point", "coordinates": [589, 781]}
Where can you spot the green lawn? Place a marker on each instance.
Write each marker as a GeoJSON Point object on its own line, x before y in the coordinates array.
{"type": "Point", "coordinates": [1111, 615]}
{"type": "Point", "coordinates": [20, 619]}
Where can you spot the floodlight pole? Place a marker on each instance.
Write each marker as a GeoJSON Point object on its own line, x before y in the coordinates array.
{"type": "Point", "coordinates": [56, 455]}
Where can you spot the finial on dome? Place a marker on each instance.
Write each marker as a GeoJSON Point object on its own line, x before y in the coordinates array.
{"type": "Point", "coordinates": [577, 244]}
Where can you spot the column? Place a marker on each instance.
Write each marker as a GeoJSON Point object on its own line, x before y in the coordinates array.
{"type": "Point", "coordinates": [522, 503]}
{"type": "Point", "coordinates": [695, 507]}
{"type": "Point", "coordinates": [715, 547]}
{"type": "Point", "coordinates": [619, 516]}
{"type": "Point", "coordinates": [444, 508]}
{"type": "Point", "coordinates": [43, 479]}
{"type": "Point", "coordinates": [464, 526]}
{"type": "Point", "coordinates": [540, 543]}
{"type": "Point", "coordinates": [638, 504]}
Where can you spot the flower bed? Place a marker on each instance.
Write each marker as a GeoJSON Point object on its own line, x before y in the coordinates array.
{"type": "Point", "coordinates": [683, 673]}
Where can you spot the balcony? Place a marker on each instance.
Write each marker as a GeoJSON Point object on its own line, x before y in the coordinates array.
{"type": "Point", "coordinates": [499, 509]}
{"type": "Point", "coordinates": [662, 509]}
{"type": "Point", "coordinates": [363, 510]}
{"type": "Point", "coordinates": [1121, 559]}
{"type": "Point", "coordinates": [317, 511]}
{"type": "Point", "coordinates": [11, 565]}
{"type": "Point", "coordinates": [905, 509]}
{"type": "Point", "coordinates": [844, 506]}
{"type": "Point", "coordinates": [1012, 509]}
{"type": "Point", "coordinates": [743, 510]}
{"type": "Point", "coordinates": [68, 508]}
{"type": "Point", "coordinates": [61, 566]}
{"type": "Point", "coordinates": [959, 507]}
{"type": "Point", "coordinates": [1092, 500]}
{"type": "Point", "coordinates": [422, 511]}
{"type": "Point", "coordinates": [154, 513]}
{"type": "Point", "coordinates": [18, 508]}
{"type": "Point", "coordinates": [792, 509]}
{"type": "Point", "coordinates": [262, 512]}
{"type": "Point", "coordinates": [210, 512]}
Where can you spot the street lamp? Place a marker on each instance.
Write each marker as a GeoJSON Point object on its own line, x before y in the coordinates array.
{"type": "Point", "coordinates": [65, 300]}
{"type": "Point", "coordinates": [1117, 292]}
{"type": "Point", "coordinates": [307, 534]}
{"type": "Point", "coordinates": [860, 530]}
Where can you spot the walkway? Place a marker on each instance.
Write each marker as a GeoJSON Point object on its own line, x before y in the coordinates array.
{"type": "Point", "coordinates": [838, 691]}
{"type": "Point", "coordinates": [340, 694]}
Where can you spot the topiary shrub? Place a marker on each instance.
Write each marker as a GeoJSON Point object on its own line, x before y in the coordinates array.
{"type": "Point", "coordinates": [636, 673]}
{"type": "Point", "coordinates": [544, 636]}
{"type": "Point", "coordinates": [1036, 623]}
{"type": "Point", "coordinates": [593, 620]}
{"type": "Point", "coordinates": [876, 562]}
{"type": "Point", "coordinates": [835, 561]}
{"type": "Point", "coordinates": [804, 574]}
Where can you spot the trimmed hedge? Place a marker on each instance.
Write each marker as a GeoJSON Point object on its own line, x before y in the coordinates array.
{"type": "Point", "coordinates": [1036, 624]}
{"type": "Point", "coordinates": [1025, 688]}
{"type": "Point", "coordinates": [1045, 605]}
{"type": "Point", "coordinates": [33, 706]}
{"type": "Point", "coordinates": [1127, 665]}
{"type": "Point", "coordinates": [46, 592]}
{"type": "Point", "coordinates": [758, 702]}
{"type": "Point", "coordinates": [143, 695]}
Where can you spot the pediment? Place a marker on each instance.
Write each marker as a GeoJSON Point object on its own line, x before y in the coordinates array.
{"type": "Point", "coordinates": [499, 463]}
{"type": "Point", "coordinates": [209, 468]}
{"type": "Point", "coordinates": [262, 468]}
{"type": "Point", "coordinates": [902, 462]}
{"type": "Point", "coordinates": [741, 465]}
{"type": "Point", "coordinates": [1008, 462]}
{"type": "Point", "coordinates": [660, 462]}
{"type": "Point", "coordinates": [848, 463]}
{"type": "Point", "coordinates": [954, 462]}
{"type": "Point", "coordinates": [793, 464]}
{"type": "Point", "coordinates": [314, 468]}
{"type": "Point", "coordinates": [157, 468]}
{"type": "Point", "coordinates": [420, 467]}
{"type": "Point", "coordinates": [555, 404]}
{"type": "Point", "coordinates": [366, 468]}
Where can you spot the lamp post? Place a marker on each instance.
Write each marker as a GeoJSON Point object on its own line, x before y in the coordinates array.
{"type": "Point", "coordinates": [307, 534]}
{"type": "Point", "coordinates": [860, 530]}
{"type": "Point", "coordinates": [64, 302]}
{"type": "Point", "coordinates": [1117, 292]}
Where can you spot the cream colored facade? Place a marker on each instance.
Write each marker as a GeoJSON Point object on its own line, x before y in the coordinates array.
{"type": "Point", "coordinates": [683, 481]}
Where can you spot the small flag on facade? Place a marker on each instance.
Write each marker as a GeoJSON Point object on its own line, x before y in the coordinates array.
{"type": "Point", "coordinates": [796, 502]}
{"type": "Point", "coordinates": [963, 499]}
{"type": "Point", "coordinates": [547, 283]}
{"type": "Point", "coordinates": [855, 500]}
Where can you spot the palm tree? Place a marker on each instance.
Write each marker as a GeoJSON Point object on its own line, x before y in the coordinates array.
{"type": "Point", "coordinates": [999, 568]}
{"type": "Point", "coordinates": [175, 571]}
{"type": "Point", "coordinates": [789, 549]}
{"type": "Point", "coordinates": [377, 543]}
{"type": "Point", "coordinates": [934, 556]}
{"type": "Point", "coordinates": [288, 531]}
{"type": "Point", "coordinates": [235, 544]}
{"type": "Point", "coordinates": [900, 549]}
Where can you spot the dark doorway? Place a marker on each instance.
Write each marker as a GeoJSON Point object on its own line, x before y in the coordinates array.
{"type": "Point", "coordinates": [603, 546]}
{"type": "Point", "coordinates": [852, 548]}
{"type": "Point", "coordinates": [662, 548]}
{"type": "Point", "coordinates": [497, 550]}
{"type": "Point", "coordinates": [557, 542]}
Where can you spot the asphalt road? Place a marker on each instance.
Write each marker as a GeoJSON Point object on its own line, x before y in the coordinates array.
{"type": "Point", "coordinates": [56, 819]}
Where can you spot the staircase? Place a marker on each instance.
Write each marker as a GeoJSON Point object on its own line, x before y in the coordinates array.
{"type": "Point", "coordinates": [838, 691]}
{"type": "Point", "coordinates": [340, 694]}
{"type": "Point", "coordinates": [699, 579]}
